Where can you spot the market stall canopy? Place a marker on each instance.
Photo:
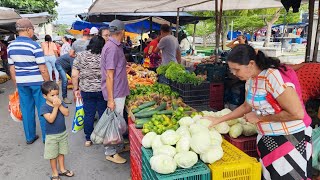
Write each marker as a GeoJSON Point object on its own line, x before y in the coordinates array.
{"type": "Point", "coordinates": [37, 18]}
{"type": "Point", "coordinates": [8, 15]}
{"type": "Point", "coordinates": [171, 17]}
{"type": "Point", "coordinates": [138, 27]}
{"type": "Point", "coordinates": [138, 6]}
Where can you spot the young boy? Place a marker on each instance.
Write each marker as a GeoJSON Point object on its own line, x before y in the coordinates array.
{"type": "Point", "coordinates": [56, 144]}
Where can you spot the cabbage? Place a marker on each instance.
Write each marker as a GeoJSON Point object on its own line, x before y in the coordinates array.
{"type": "Point", "coordinates": [156, 143]}
{"type": "Point", "coordinates": [232, 122]}
{"type": "Point", "coordinates": [225, 111]}
{"type": "Point", "coordinates": [222, 128]}
{"type": "Point", "coordinates": [249, 129]}
{"type": "Point", "coordinates": [216, 138]}
{"type": "Point", "coordinates": [200, 142]}
{"type": "Point", "coordinates": [165, 150]}
{"type": "Point", "coordinates": [169, 137]}
{"type": "Point", "coordinates": [147, 139]}
{"type": "Point", "coordinates": [183, 145]}
{"type": "Point", "coordinates": [196, 128]}
{"type": "Point", "coordinates": [197, 117]}
{"type": "Point", "coordinates": [163, 164]}
{"type": "Point", "coordinates": [235, 130]}
{"type": "Point", "coordinates": [183, 131]}
{"type": "Point", "coordinates": [208, 113]}
{"type": "Point", "coordinates": [186, 121]}
{"type": "Point", "coordinates": [186, 159]}
{"type": "Point", "coordinates": [213, 154]}
{"type": "Point", "coordinates": [204, 122]}
{"type": "Point", "coordinates": [242, 120]}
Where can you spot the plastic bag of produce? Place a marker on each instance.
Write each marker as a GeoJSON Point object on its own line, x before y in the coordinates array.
{"type": "Point", "coordinates": [213, 154]}
{"type": "Point", "coordinates": [200, 142]}
{"type": "Point", "coordinates": [14, 107]}
{"type": "Point", "coordinates": [100, 129]}
{"type": "Point", "coordinates": [236, 130]}
{"type": "Point", "coordinates": [115, 129]}
{"type": "Point", "coordinates": [169, 137]}
{"type": "Point", "coordinates": [183, 145]}
{"type": "Point", "coordinates": [148, 139]}
{"type": "Point", "coordinates": [165, 150]}
{"type": "Point", "coordinates": [186, 159]}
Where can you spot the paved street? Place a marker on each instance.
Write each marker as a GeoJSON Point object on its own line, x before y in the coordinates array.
{"type": "Point", "coordinates": [21, 161]}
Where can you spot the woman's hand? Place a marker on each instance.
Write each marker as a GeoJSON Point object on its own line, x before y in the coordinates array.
{"type": "Point", "coordinates": [252, 118]}
{"type": "Point", "coordinates": [214, 120]}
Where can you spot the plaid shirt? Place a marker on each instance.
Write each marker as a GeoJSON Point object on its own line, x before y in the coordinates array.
{"type": "Point", "coordinates": [270, 81]}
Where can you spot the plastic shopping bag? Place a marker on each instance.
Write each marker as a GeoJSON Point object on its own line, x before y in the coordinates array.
{"type": "Point", "coordinates": [14, 107]}
{"type": "Point", "coordinates": [78, 120]}
{"type": "Point", "coordinates": [315, 148]}
{"type": "Point", "coordinates": [115, 129]}
{"type": "Point", "coordinates": [100, 129]}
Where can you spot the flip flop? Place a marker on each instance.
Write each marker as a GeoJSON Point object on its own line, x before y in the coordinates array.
{"type": "Point", "coordinates": [55, 177]}
{"type": "Point", "coordinates": [31, 142]}
{"type": "Point", "coordinates": [66, 173]}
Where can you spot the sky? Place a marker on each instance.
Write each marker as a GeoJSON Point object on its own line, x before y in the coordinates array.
{"type": "Point", "coordinates": [67, 10]}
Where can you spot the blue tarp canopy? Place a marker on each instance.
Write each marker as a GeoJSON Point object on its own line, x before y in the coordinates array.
{"type": "Point", "coordinates": [136, 27]}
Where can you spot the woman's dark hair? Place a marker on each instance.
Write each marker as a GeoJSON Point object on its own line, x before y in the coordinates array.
{"type": "Point", "coordinates": [102, 29]}
{"type": "Point", "coordinates": [48, 39]}
{"type": "Point", "coordinates": [243, 54]}
{"type": "Point", "coordinates": [244, 37]}
{"type": "Point", "coordinates": [183, 36]}
{"type": "Point", "coordinates": [66, 38]}
{"type": "Point", "coordinates": [48, 86]}
{"type": "Point", "coordinates": [96, 44]}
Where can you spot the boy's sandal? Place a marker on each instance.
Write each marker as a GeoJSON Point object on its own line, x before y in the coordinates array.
{"type": "Point", "coordinates": [88, 143]}
{"type": "Point", "coordinates": [55, 177]}
{"type": "Point", "coordinates": [67, 173]}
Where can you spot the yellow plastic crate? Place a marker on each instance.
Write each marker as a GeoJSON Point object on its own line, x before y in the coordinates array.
{"type": "Point", "coordinates": [235, 165]}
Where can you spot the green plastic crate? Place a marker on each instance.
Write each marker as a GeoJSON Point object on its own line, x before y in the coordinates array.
{"type": "Point", "coordinates": [199, 171]}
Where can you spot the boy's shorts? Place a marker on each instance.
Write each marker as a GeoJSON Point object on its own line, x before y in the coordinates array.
{"type": "Point", "coordinates": [56, 144]}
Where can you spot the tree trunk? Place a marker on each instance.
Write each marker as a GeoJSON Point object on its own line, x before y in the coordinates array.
{"type": "Point", "coordinates": [224, 33]}
{"type": "Point", "coordinates": [204, 41]}
{"type": "Point", "coordinates": [269, 26]}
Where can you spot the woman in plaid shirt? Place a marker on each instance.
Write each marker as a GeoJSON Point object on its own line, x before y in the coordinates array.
{"type": "Point", "coordinates": [274, 104]}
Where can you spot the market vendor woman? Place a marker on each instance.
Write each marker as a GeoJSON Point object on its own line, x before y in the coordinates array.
{"type": "Point", "coordinates": [284, 132]}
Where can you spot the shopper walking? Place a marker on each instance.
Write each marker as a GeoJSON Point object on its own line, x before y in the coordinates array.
{"type": "Point", "coordinates": [114, 81]}
{"type": "Point", "coordinates": [274, 104]}
{"type": "Point", "coordinates": [50, 55]}
{"type": "Point", "coordinates": [66, 47]}
{"type": "Point", "coordinates": [87, 69]}
{"type": "Point", "coordinates": [28, 71]}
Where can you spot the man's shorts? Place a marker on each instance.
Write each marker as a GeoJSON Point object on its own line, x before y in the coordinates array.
{"type": "Point", "coordinates": [56, 144]}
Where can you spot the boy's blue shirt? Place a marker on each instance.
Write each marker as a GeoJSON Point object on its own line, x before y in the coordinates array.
{"type": "Point", "coordinates": [59, 125]}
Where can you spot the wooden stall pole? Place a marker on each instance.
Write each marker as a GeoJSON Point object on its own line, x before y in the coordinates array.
{"type": "Point", "coordinates": [316, 44]}
{"type": "Point", "coordinates": [177, 25]}
{"type": "Point", "coordinates": [311, 12]}
{"type": "Point", "coordinates": [217, 27]}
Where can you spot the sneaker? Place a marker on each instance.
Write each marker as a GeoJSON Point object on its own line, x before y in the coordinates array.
{"type": "Point", "coordinates": [116, 159]}
{"type": "Point", "coordinates": [67, 101]}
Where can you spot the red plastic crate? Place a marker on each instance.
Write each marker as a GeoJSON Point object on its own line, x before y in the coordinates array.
{"type": "Point", "coordinates": [130, 120]}
{"type": "Point", "coordinates": [216, 88]}
{"type": "Point", "coordinates": [217, 105]}
{"type": "Point", "coordinates": [136, 171]}
{"type": "Point", "coordinates": [246, 144]}
{"type": "Point", "coordinates": [135, 138]}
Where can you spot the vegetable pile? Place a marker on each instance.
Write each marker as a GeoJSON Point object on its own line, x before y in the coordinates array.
{"type": "Point", "coordinates": [177, 73]}
{"type": "Point", "coordinates": [140, 75]}
{"type": "Point", "coordinates": [235, 127]}
{"type": "Point", "coordinates": [180, 148]}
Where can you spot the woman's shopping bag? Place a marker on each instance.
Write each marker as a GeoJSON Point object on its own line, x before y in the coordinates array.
{"type": "Point", "coordinates": [14, 107]}
{"type": "Point", "coordinates": [78, 120]}
{"type": "Point", "coordinates": [115, 129]}
{"type": "Point", "coordinates": [99, 132]}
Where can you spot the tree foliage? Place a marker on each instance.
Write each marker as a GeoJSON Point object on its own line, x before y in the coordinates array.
{"type": "Point", "coordinates": [61, 29]}
{"type": "Point", "coordinates": [32, 6]}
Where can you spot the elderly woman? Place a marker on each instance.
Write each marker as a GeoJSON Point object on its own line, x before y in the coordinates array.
{"type": "Point", "coordinates": [274, 104]}
{"type": "Point", "coordinates": [86, 68]}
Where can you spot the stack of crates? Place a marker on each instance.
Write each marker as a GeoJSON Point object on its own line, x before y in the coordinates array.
{"type": "Point", "coordinates": [216, 96]}
{"type": "Point", "coordinates": [245, 144]}
{"type": "Point", "coordinates": [199, 171]}
{"type": "Point", "coordinates": [135, 138]}
{"type": "Point", "coordinates": [235, 165]}
{"type": "Point", "coordinates": [193, 95]}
